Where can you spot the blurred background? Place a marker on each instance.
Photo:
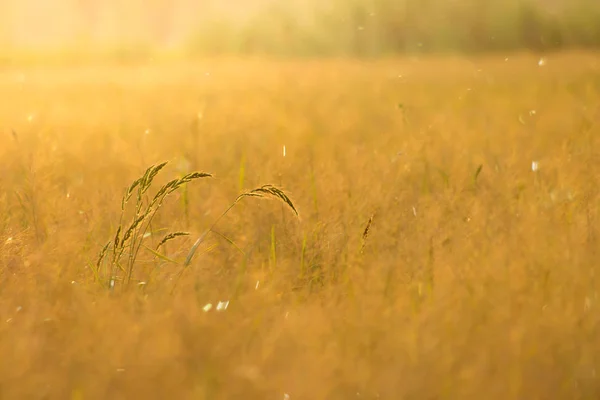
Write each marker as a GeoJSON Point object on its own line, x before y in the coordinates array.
{"type": "Point", "coordinates": [136, 28]}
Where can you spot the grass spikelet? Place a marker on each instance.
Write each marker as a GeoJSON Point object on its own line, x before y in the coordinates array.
{"type": "Point", "coordinates": [270, 191]}
{"type": "Point", "coordinates": [366, 232]}
{"type": "Point", "coordinates": [129, 193]}
{"type": "Point", "coordinates": [150, 175]}
{"type": "Point", "coordinates": [194, 175]}
{"type": "Point", "coordinates": [476, 175]}
{"type": "Point", "coordinates": [116, 241]}
{"type": "Point", "coordinates": [171, 236]}
{"type": "Point", "coordinates": [132, 228]}
{"type": "Point", "coordinates": [102, 255]}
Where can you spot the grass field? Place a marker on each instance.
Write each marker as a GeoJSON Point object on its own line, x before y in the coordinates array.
{"type": "Point", "coordinates": [447, 244]}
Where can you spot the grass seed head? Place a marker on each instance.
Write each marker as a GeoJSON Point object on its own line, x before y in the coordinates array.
{"type": "Point", "coordinates": [366, 232]}
{"type": "Point", "coordinates": [270, 191]}
{"type": "Point", "coordinates": [171, 236]}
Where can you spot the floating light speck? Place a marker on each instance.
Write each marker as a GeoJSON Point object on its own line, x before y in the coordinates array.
{"type": "Point", "coordinates": [414, 210]}
{"type": "Point", "coordinates": [207, 307]}
{"type": "Point", "coordinates": [30, 118]}
{"type": "Point", "coordinates": [535, 166]}
{"type": "Point", "coordinates": [7, 241]}
{"type": "Point", "coordinates": [8, 320]}
{"type": "Point", "coordinates": [222, 305]}
{"type": "Point", "coordinates": [286, 396]}
{"type": "Point", "coordinates": [120, 369]}
{"type": "Point", "coordinates": [284, 150]}
{"type": "Point", "coordinates": [19, 309]}
{"type": "Point", "coordinates": [257, 284]}
{"type": "Point", "coordinates": [542, 62]}
{"type": "Point", "coordinates": [147, 132]}
{"type": "Point", "coordinates": [532, 112]}
{"type": "Point", "coordinates": [68, 195]}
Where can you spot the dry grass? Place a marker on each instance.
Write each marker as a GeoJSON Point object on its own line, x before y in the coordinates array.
{"type": "Point", "coordinates": [430, 261]}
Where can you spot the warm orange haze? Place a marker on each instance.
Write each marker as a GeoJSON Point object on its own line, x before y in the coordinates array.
{"type": "Point", "coordinates": [258, 200]}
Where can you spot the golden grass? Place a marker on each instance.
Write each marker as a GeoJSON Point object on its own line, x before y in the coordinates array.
{"type": "Point", "coordinates": [430, 262]}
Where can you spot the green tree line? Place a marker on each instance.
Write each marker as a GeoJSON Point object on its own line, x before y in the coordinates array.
{"type": "Point", "coordinates": [376, 27]}
{"type": "Point", "coordinates": [298, 27]}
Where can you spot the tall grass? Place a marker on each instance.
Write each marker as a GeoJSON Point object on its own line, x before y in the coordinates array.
{"type": "Point", "coordinates": [122, 252]}
{"type": "Point", "coordinates": [431, 259]}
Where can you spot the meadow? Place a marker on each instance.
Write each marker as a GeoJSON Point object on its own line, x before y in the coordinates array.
{"type": "Point", "coordinates": [446, 245]}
